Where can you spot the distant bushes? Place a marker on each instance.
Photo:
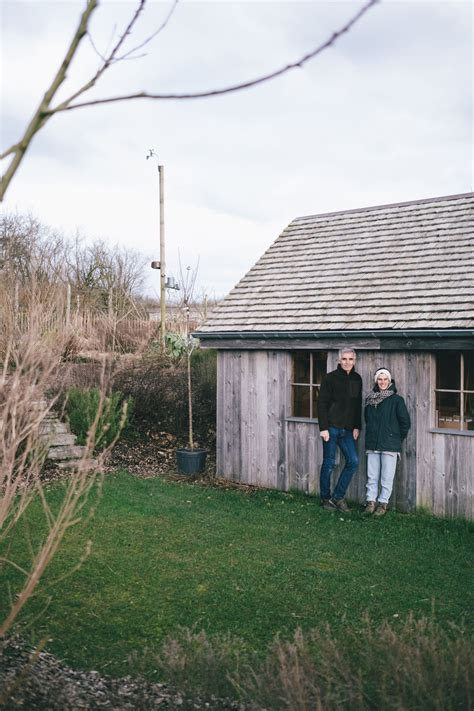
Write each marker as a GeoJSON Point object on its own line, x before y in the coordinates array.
{"type": "Point", "coordinates": [124, 335]}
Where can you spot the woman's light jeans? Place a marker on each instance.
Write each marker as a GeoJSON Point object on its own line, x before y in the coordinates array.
{"type": "Point", "coordinates": [381, 468]}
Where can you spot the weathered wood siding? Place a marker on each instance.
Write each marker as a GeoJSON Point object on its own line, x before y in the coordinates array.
{"type": "Point", "coordinates": [258, 444]}
{"type": "Point", "coordinates": [445, 463]}
{"type": "Point", "coordinates": [252, 403]}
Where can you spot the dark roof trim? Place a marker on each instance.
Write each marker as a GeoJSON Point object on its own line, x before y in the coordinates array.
{"type": "Point", "coordinates": [440, 198]}
{"type": "Point", "coordinates": [375, 333]}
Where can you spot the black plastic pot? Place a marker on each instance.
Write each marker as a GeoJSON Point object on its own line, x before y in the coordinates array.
{"type": "Point", "coordinates": [191, 461]}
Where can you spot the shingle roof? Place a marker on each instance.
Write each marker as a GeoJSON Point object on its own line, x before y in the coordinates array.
{"type": "Point", "coordinates": [402, 266]}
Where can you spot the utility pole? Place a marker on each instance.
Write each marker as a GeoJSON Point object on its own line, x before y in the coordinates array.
{"type": "Point", "coordinates": [161, 265]}
{"type": "Point", "coordinates": [161, 174]}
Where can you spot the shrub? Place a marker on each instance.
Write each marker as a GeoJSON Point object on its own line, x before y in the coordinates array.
{"type": "Point", "coordinates": [72, 346]}
{"type": "Point", "coordinates": [175, 344]}
{"type": "Point", "coordinates": [157, 383]}
{"type": "Point", "coordinates": [204, 390]}
{"type": "Point", "coordinates": [417, 665]}
{"type": "Point", "coordinates": [83, 407]}
{"type": "Point", "coordinates": [124, 336]}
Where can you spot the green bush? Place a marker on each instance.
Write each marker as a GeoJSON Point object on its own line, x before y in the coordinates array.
{"type": "Point", "coordinates": [175, 345]}
{"type": "Point", "coordinates": [82, 407]}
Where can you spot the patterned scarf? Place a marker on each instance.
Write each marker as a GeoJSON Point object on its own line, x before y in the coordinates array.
{"type": "Point", "coordinates": [375, 397]}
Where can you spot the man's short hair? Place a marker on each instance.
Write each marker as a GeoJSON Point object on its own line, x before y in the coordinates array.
{"type": "Point", "coordinates": [347, 349]}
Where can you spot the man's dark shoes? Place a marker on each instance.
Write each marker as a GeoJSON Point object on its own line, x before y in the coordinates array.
{"type": "Point", "coordinates": [328, 504]}
{"type": "Point", "coordinates": [340, 505]}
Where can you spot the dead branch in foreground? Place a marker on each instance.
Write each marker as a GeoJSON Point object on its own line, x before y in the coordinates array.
{"type": "Point", "coordinates": [45, 109]}
{"type": "Point", "coordinates": [29, 362]}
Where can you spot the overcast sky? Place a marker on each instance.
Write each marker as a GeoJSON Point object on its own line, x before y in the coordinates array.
{"type": "Point", "coordinates": [385, 115]}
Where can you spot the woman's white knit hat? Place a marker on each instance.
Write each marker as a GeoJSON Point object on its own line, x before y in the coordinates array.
{"type": "Point", "coordinates": [383, 371]}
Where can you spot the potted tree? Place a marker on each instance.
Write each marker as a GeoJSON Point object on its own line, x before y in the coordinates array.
{"type": "Point", "coordinates": [190, 459]}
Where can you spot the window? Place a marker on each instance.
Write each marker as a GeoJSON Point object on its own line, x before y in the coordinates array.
{"type": "Point", "coordinates": [455, 390]}
{"type": "Point", "coordinates": [308, 370]}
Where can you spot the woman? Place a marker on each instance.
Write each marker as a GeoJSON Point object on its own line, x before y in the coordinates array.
{"type": "Point", "coordinates": [387, 424]}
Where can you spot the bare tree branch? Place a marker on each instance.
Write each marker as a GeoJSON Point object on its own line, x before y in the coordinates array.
{"type": "Point", "coordinates": [112, 57]}
{"type": "Point", "coordinates": [234, 87]}
{"type": "Point", "coordinates": [40, 117]}
{"type": "Point", "coordinates": [107, 62]}
{"type": "Point", "coordinates": [94, 47]}
{"type": "Point", "coordinates": [151, 37]}
{"type": "Point", "coordinates": [10, 150]}
{"type": "Point", "coordinates": [45, 111]}
{"type": "Point", "coordinates": [130, 52]}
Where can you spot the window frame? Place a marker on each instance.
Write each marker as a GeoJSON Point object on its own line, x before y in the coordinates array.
{"type": "Point", "coordinates": [461, 391]}
{"type": "Point", "coordinates": [311, 385]}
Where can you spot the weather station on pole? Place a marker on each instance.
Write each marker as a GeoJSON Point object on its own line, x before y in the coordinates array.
{"type": "Point", "coordinates": [165, 282]}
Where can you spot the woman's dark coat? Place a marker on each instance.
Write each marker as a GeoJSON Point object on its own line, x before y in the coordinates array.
{"type": "Point", "coordinates": [387, 423]}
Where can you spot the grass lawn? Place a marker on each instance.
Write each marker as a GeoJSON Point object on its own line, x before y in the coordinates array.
{"type": "Point", "coordinates": [167, 554]}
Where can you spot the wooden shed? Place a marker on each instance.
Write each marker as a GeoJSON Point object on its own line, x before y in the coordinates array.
{"type": "Point", "coordinates": [396, 282]}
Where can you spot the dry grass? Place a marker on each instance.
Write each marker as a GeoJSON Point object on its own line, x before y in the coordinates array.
{"type": "Point", "coordinates": [30, 359]}
{"type": "Point", "coordinates": [417, 666]}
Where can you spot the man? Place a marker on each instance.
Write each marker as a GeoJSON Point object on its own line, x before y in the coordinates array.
{"type": "Point", "coordinates": [339, 413]}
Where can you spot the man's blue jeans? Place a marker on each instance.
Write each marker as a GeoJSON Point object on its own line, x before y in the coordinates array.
{"type": "Point", "coordinates": [343, 439]}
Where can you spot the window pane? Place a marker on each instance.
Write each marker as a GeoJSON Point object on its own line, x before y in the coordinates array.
{"type": "Point", "coordinates": [468, 411]}
{"type": "Point", "coordinates": [448, 370]}
{"type": "Point", "coordinates": [448, 410]}
{"type": "Point", "coordinates": [301, 363]}
{"type": "Point", "coordinates": [315, 396]}
{"type": "Point", "coordinates": [319, 366]}
{"type": "Point", "coordinates": [469, 370]}
{"type": "Point", "coordinates": [301, 395]}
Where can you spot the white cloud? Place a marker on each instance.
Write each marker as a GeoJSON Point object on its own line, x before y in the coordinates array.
{"type": "Point", "coordinates": [385, 115]}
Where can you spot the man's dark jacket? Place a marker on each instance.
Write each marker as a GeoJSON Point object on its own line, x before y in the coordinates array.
{"type": "Point", "coordinates": [387, 424]}
{"type": "Point", "coordinates": [340, 400]}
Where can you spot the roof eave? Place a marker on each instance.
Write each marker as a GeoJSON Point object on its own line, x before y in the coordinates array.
{"type": "Point", "coordinates": [360, 333]}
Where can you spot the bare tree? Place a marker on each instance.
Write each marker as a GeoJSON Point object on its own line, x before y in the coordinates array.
{"type": "Point", "coordinates": [100, 273]}
{"type": "Point", "coordinates": [187, 283]}
{"type": "Point", "coordinates": [31, 252]}
{"type": "Point", "coordinates": [47, 108]}
{"type": "Point", "coordinates": [29, 249]}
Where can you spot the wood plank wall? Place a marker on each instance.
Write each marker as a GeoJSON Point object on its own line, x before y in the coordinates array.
{"type": "Point", "coordinates": [256, 444]}
{"type": "Point", "coordinates": [251, 407]}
